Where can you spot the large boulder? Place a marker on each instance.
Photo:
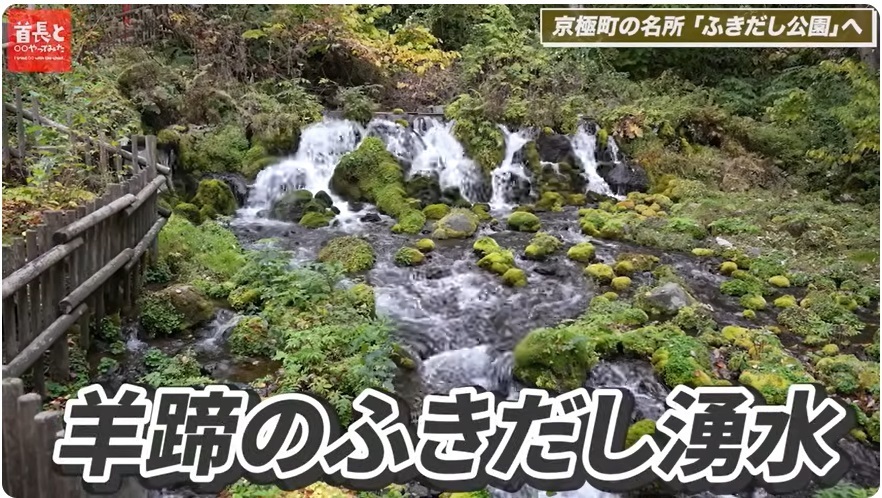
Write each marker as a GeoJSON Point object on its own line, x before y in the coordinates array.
{"type": "Point", "coordinates": [625, 177]}
{"type": "Point", "coordinates": [193, 307]}
{"type": "Point", "coordinates": [424, 186]}
{"type": "Point", "coordinates": [237, 185]}
{"type": "Point", "coordinates": [555, 148]}
{"type": "Point", "coordinates": [214, 197]}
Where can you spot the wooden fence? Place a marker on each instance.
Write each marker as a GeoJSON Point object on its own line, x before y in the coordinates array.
{"type": "Point", "coordinates": [29, 436]}
{"type": "Point", "coordinates": [64, 275]}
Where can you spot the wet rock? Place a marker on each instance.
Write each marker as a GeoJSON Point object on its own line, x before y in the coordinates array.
{"type": "Point", "coordinates": [626, 177]}
{"type": "Point", "coordinates": [370, 218]}
{"type": "Point", "coordinates": [547, 270]}
{"type": "Point", "coordinates": [356, 206]}
{"type": "Point", "coordinates": [555, 148]}
{"type": "Point", "coordinates": [596, 198]}
{"type": "Point", "coordinates": [291, 206]}
{"type": "Point", "coordinates": [322, 197]}
{"type": "Point", "coordinates": [458, 224]}
{"type": "Point", "coordinates": [438, 273]}
{"type": "Point", "coordinates": [424, 186]}
{"type": "Point", "coordinates": [668, 298]}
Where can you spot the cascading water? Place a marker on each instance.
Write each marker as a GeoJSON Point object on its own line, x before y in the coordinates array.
{"type": "Point", "coordinates": [510, 177]}
{"type": "Point", "coordinates": [321, 147]}
{"type": "Point", "coordinates": [444, 156]}
{"type": "Point", "coordinates": [584, 146]}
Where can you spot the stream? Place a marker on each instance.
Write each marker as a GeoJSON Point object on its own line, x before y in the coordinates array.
{"type": "Point", "coordinates": [458, 322]}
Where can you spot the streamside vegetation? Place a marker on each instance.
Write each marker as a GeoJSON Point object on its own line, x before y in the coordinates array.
{"type": "Point", "coordinates": [760, 164]}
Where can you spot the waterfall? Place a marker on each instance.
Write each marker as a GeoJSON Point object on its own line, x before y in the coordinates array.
{"type": "Point", "coordinates": [322, 145]}
{"type": "Point", "coordinates": [584, 146]}
{"type": "Point", "coordinates": [510, 176]}
{"type": "Point", "coordinates": [444, 156]}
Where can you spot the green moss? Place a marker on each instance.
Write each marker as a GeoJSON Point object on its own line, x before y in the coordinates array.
{"type": "Point", "coordinates": [779, 281]}
{"type": "Point", "coordinates": [640, 262]}
{"type": "Point", "coordinates": [255, 160]}
{"type": "Point", "coordinates": [425, 245]}
{"type": "Point", "coordinates": [314, 219]}
{"type": "Point", "coordinates": [847, 375]}
{"type": "Point", "coordinates": [694, 319]}
{"type": "Point", "coordinates": [610, 295]}
{"type": "Point", "coordinates": [482, 212]}
{"type": "Point", "coordinates": [251, 337]}
{"type": "Point", "coordinates": [485, 245]}
{"type": "Point", "coordinates": [436, 211]}
{"type": "Point", "coordinates": [576, 199]}
{"type": "Point", "coordinates": [555, 358]}
{"type": "Point", "coordinates": [637, 430]}
{"type": "Point", "coordinates": [188, 211]}
{"type": "Point", "coordinates": [785, 301]}
{"type": "Point", "coordinates": [749, 314]}
{"type": "Point", "coordinates": [459, 223]}
{"type": "Point", "coordinates": [214, 197]}
{"type": "Point", "coordinates": [514, 277]}
{"type": "Point", "coordinates": [402, 122]}
{"type": "Point", "coordinates": [683, 360]}
{"type": "Point", "coordinates": [354, 254]}
{"type": "Point", "coordinates": [498, 262]}
{"type": "Point", "coordinates": [728, 267]}
{"type": "Point", "coordinates": [542, 245]}
{"type": "Point", "coordinates": [703, 252]}
{"type": "Point", "coordinates": [748, 284]}
{"type": "Point", "coordinates": [600, 272]}
{"type": "Point", "coordinates": [753, 302]}
{"type": "Point", "coordinates": [361, 296]}
{"type": "Point", "coordinates": [523, 222]}
{"type": "Point", "coordinates": [625, 268]}
{"type": "Point", "coordinates": [371, 174]}
{"type": "Point", "coordinates": [582, 252]}
{"type": "Point", "coordinates": [830, 350]}
{"type": "Point", "coordinates": [214, 151]}
{"type": "Point", "coordinates": [408, 256]}
{"type": "Point", "coordinates": [550, 201]}
{"type": "Point", "coordinates": [620, 283]}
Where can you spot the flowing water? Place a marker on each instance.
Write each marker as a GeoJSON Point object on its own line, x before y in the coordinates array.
{"type": "Point", "coordinates": [585, 147]}
{"type": "Point", "coordinates": [510, 178]}
{"type": "Point", "coordinates": [460, 323]}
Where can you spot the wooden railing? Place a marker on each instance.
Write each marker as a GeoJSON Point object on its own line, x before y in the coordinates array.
{"type": "Point", "coordinates": [79, 264]}
{"type": "Point", "coordinates": [63, 276]}
{"type": "Point", "coordinates": [29, 436]}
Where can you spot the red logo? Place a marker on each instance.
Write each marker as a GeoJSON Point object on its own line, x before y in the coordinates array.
{"type": "Point", "coordinates": [39, 41]}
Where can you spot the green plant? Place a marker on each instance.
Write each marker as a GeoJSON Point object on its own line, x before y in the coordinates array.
{"type": "Point", "coordinates": [159, 317]}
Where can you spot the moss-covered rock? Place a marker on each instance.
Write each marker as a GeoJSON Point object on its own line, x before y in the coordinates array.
{"type": "Point", "coordinates": [485, 245]}
{"type": "Point", "coordinates": [436, 211]}
{"type": "Point", "coordinates": [610, 295]}
{"type": "Point", "coordinates": [683, 360]}
{"type": "Point", "coordinates": [665, 300]}
{"type": "Point", "coordinates": [847, 375]}
{"type": "Point", "coordinates": [514, 277]}
{"type": "Point", "coordinates": [251, 337]}
{"type": "Point", "coordinates": [498, 262]}
{"type": "Point", "coordinates": [255, 160]}
{"type": "Point", "coordinates": [542, 245]}
{"type": "Point", "coordinates": [830, 350]}
{"type": "Point", "coordinates": [620, 283]}
{"type": "Point", "coordinates": [425, 245]}
{"type": "Point", "coordinates": [703, 252]}
{"type": "Point", "coordinates": [371, 174]}
{"type": "Point", "coordinates": [354, 254]}
{"type": "Point", "coordinates": [362, 298]}
{"type": "Point", "coordinates": [694, 319]}
{"type": "Point", "coordinates": [640, 262]}
{"type": "Point", "coordinates": [213, 198]}
{"type": "Point", "coordinates": [459, 223]}
{"type": "Point", "coordinates": [314, 219]}
{"type": "Point", "coordinates": [583, 252]}
{"type": "Point", "coordinates": [189, 302]}
{"type": "Point", "coordinates": [291, 206]}
{"type": "Point", "coordinates": [601, 272]}
{"type": "Point", "coordinates": [555, 358]}
{"type": "Point", "coordinates": [728, 267]}
{"type": "Point", "coordinates": [188, 211]}
{"type": "Point", "coordinates": [753, 302]}
{"type": "Point", "coordinates": [523, 222]}
{"type": "Point", "coordinates": [637, 430]}
{"type": "Point", "coordinates": [550, 201]}
{"type": "Point", "coordinates": [409, 256]}
{"type": "Point", "coordinates": [624, 268]}
{"type": "Point", "coordinates": [749, 314]}
{"type": "Point", "coordinates": [779, 281]}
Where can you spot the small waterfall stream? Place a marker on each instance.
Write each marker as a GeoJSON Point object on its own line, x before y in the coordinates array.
{"type": "Point", "coordinates": [585, 148]}
{"type": "Point", "coordinates": [510, 176]}
{"type": "Point", "coordinates": [443, 155]}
